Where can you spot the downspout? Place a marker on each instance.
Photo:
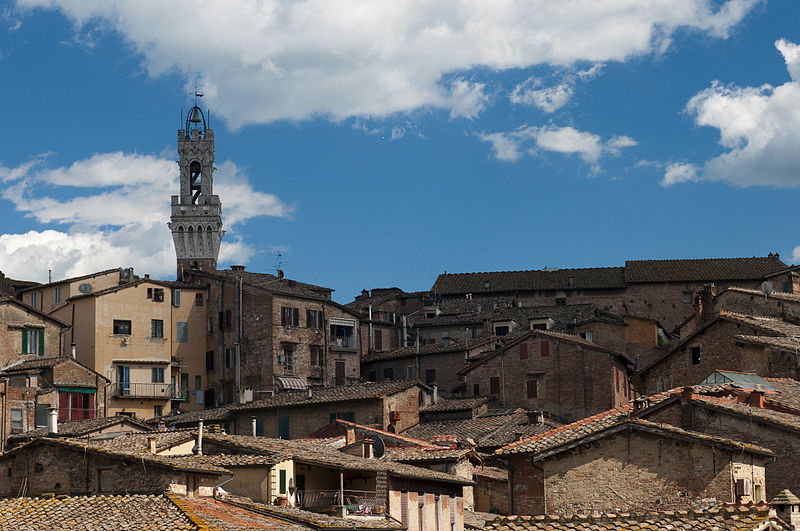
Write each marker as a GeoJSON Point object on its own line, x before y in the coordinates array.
{"type": "Point", "coordinates": [325, 326]}
{"type": "Point", "coordinates": [72, 326]}
{"type": "Point", "coordinates": [3, 427]}
{"type": "Point", "coordinates": [370, 346]}
{"type": "Point", "coordinates": [220, 369]}
{"type": "Point", "coordinates": [416, 362]}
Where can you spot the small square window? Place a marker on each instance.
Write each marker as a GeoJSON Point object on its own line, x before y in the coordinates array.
{"type": "Point", "coordinates": [695, 354]}
{"type": "Point", "coordinates": [122, 327]}
{"type": "Point", "coordinates": [198, 299]}
{"type": "Point", "coordinates": [157, 328]}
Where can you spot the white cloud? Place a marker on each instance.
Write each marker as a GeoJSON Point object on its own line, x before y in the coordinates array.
{"type": "Point", "coordinates": [758, 127]}
{"type": "Point", "coordinates": [548, 99]}
{"type": "Point", "coordinates": [264, 60]}
{"type": "Point", "coordinates": [467, 99]}
{"type": "Point", "coordinates": [121, 220]}
{"type": "Point", "coordinates": [508, 146]}
{"type": "Point", "coordinates": [398, 132]}
{"type": "Point", "coordinates": [678, 172]}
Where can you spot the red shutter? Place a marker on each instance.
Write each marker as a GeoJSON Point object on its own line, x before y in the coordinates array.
{"type": "Point", "coordinates": [523, 351]}
{"type": "Point", "coordinates": [545, 348]}
{"type": "Point", "coordinates": [494, 385]}
{"type": "Point", "coordinates": [533, 389]}
{"type": "Point", "coordinates": [63, 406]}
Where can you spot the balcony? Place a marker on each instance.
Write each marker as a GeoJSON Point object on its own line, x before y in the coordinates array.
{"type": "Point", "coordinates": [354, 501]}
{"type": "Point", "coordinates": [182, 393]}
{"type": "Point", "coordinates": [142, 390]}
{"type": "Point", "coordinates": [343, 342]}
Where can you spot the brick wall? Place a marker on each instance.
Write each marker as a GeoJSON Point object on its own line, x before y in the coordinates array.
{"type": "Point", "coordinates": [444, 367]}
{"type": "Point", "coordinates": [14, 320]}
{"type": "Point", "coordinates": [571, 382]}
{"type": "Point", "coordinates": [629, 471]}
{"type": "Point", "coordinates": [785, 442]}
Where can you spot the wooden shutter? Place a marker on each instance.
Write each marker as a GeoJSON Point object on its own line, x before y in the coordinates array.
{"type": "Point", "coordinates": [295, 317]}
{"type": "Point", "coordinates": [41, 342]}
{"type": "Point", "coordinates": [523, 351]}
{"type": "Point", "coordinates": [494, 385]}
{"type": "Point", "coordinates": [533, 389]}
{"type": "Point", "coordinates": [545, 348]}
{"type": "Point", "coordinates": [24, 341]}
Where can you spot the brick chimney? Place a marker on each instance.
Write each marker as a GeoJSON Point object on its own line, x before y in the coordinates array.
{"type": "Point", "coordinates": [151, 443]}
{"type": "Point", "coordinates": [704, 304]}
{"type": "Point", "coordinates": [686, 393]}
{"type": "Point", "coordinates": [787, 507]}
{"type": "Point", "coordinates": [756, 399]}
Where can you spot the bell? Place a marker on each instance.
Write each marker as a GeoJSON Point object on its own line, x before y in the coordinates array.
{"type": "Point", "coordinates": [195, 117]}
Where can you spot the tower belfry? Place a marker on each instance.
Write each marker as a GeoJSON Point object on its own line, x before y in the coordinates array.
{"type": "Point", "coordinates": [196, 221]}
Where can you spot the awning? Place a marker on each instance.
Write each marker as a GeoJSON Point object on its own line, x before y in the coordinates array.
{"type": "Point", "coordinates": [342, 322]}
{"type": "Point", "coordinates": [289, 382]}
{"type": "Point", "coordinates": [77, 390]}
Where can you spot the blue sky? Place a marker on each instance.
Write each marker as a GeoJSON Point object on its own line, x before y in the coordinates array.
{"type": "Point", "coordinates": [377, 144]}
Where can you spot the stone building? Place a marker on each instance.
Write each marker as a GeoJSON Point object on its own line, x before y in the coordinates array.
{"type": "Point", "coordinates": [610, 464]}
{"type": "Point", "coordinates": [27, 333]}
{"type": "Point", "coordinates": [726, 341]}
{"type": "Point", "coordinates": [564, 375]}
{"type": "Point", "coordinates": [662, 290]}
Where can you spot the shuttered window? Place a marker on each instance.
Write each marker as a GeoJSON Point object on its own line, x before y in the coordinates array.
{"type": "Point", "coordinates": [545, 349]}
{"type": "Point", "coordinates": [494, 385]}
{"type": "Point", "coordinates": [523, 351]}
{"type": "Point", "coordinates": [533, 389]}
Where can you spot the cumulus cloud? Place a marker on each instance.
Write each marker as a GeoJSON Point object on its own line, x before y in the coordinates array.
{"type": "Point", "coordinates": [758, 129]}
{"type": "Point", "coordinates": [509, 146]}
{"type": "Point", "coordinates": [548, 99]}
{"type": "Point", "coordinates": [266, 60]}
{"type": "Point", "coordinates": [113, 208]}
{"type": "Point", "coordinates": [678, 172]}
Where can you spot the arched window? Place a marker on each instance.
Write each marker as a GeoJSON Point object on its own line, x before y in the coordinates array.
{"type": "Point", "coordinates": [195, 178]}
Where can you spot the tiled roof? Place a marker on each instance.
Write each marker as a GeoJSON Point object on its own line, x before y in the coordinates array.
{"type": "Point", "coordinates": [34, 363]}
{"type": "Point", "coordinates": [785, 343]}
{"type": "Point", "coordinates": [308, 451]}
{"type": "Point", "coordinates": [314, 520]}
{"type": "Point", "coordinates": [538, 279]}
{"type": "Point", "coordinates": [222, 516]}
{"type": "Point", "coordinates": [31, 309]}
{"type": "Point", "coordinates": [786, 420]}
{"type": "Point", "coordinates": [75, 279]}
{"type": "Point", "coordinates": [788, 395]}
{"type": "Point", "coordinates": [277, 285]}
{"type": "Point", "coordinates": [397, 437]}
{"type": "Point", "coordinates": [406, 454]}
{"type": "Point", "coordinates": [139, 441]}
{"type": "Point", "coordinates": [466, 312]}
{"type": "Point", "coordinates": [427, 350]}
{"type": "Point", "coordinates": [779, 295]}
{"type": "Point", "coordinates": [94, 513]}
{"type": "Point", "coordinates": [491, 472]}
{"type": "Point", "coordinates": [610, 422]}
{"type": "Point", "coordinates": [704, 269]}
{"type": "Point", "coordinates": [75, 428]}
{"type": "Point", "coordinates": [728, 519]}
{"type": "Point", "coordinates": [455, 404]}
{"type": "Point", "coordinates": [192, 417]}
{"type": "Point", "coordinates": [485, 431]}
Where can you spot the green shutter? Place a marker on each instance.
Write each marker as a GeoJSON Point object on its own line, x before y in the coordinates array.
{"type": "Point", "coordinates": [41, 342]}
{"type": "Point", "coordinates": [24, 341]}
{"type": "Point", "coordinates": [282, 487]}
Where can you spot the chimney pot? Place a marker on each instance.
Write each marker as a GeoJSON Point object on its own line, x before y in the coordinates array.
{"type": "Point", "coordinates": [199, 438]}
{"type": "Point", "coordinates": [52, 421]}
{"type": "Point", "coordinates": [756, 399]}
{"type": "Point", "coordinates": [151, 442]}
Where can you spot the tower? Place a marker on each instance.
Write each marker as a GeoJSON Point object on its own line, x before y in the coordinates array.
{"type": "Point", "coordinates": [196, 220]}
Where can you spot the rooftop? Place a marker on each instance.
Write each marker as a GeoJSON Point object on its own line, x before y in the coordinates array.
{"type": "Point", "coordinates": [77, 428]}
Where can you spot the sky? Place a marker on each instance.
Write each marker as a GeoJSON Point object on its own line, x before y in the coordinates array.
{"type": "Point", "coordinates": [371, 143]}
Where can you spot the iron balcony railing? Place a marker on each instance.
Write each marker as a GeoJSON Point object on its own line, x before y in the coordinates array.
{"type": "Point", "coordinates": [181, 393]}
{"type": "Point", "coordinates": [142, 390]}
{"type": "Point", "coordinates": [355, 501]}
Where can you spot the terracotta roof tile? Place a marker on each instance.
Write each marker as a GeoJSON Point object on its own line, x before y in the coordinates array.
{"type": "Point", "coordinates": [494, 281]}
{"type": "Point", "coordinates": [76, 428]}
{"type": "Point", "coordinates": [455, 404]}
{"type": "Point", "coordinates": [703, 269]}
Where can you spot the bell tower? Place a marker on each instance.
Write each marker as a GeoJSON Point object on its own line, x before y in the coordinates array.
{"type": "Point", "coordinates": [196, 221]}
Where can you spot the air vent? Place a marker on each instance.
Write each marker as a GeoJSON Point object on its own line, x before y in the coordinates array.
{"type": "Point", "coordinates": [85, 288]}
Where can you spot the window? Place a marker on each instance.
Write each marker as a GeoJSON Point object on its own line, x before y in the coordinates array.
{"type": "Point", "coordinates": [494, 385]}
{"type": "Point", "coordinates": [17, 420]}
{"type": "Point", "coordinates": [197, 382]}
{"type": "Point", "coordinates": [430, 376]}
{"type": "Point", "coordinates": [158, 295]}
{"type": "Point", "coordinates": [586, 335]}
{"type": "Point", "coordinates": [561, 301]}
{"type": "Point", "coordinates": [410, 372]}
{"type": "Point", "coordinates": [198, 299]}
{"type": "Point", "coordinates": [105, 480]}
{"type": "Point", "coordinates": [227, 358]}
{"type": "Point", "coordinates": [158, 411]}
{"type": "Point", "coordinates": [372, 376]}
{"type": "Point", "coordinates": [34, 299]}
{"type": "Point", "coordinates": [122, 327]}
{"type": "Point", "coordinates": [33, 342]}
{"type": "Point", "coordinates": [290, 316]}
{"type": "Point", "coordinates": [501, 330]}
{"type": "Point", "coordinates": [286, 360]}
{"type": "Point", "coordinates": [314, 319]}
{"type": "Point", "coordinates": [446, 341]}
{"type": "Point", "coordinates": [545, 346]}
{"type": "Point", "coordinates": [210, 360]}
{"type": "Point", "coordinates": [283, 428]}
{"type": "Point", "coordinates": [156, 328]}
{"type": "Point", "coordinates": [176, 297]}
{"type": "Point", "coordinates": [476, 390]}
{"type": "Point", "coordinates": [317, 358]}
{"type": "Point", "coordinates": [158, 374]}
{"type": "Point", "coordinates": [42, 412]}
{"type": "Point", "coordinates": [182, 332]}
{"type": "Point", "coordinates": [343, 333]}
{"type": "Point", "coordinates": [228, 320]}
{"type": "Point", "coordinates": [339, 372]}
{"type": "Point", "coordinates": [57, 295]}
{"type": "Point", "coordinates": [695, 353]}
{"type": "Point", "coordinates": [533, 388]}
{"type": "Point", "coordinates": [388, 373]}
{"type": "Point", "coordinates": [378, 340]}
{"type": "Point", "coordinates": [523, 351]}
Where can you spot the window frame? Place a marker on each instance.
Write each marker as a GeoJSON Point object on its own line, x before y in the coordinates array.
{"type": "Point", "coordinates": [119, 327]}
{"type": "Point", "coordinates": [182, 332]}
{"type": "Point", "coordinates": [157, 328]}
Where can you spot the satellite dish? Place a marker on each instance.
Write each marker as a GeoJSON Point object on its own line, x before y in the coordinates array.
{"type": "Point", "coordinates": [378, 447]}
{"type": "Point", "coordinates": [766, 288]}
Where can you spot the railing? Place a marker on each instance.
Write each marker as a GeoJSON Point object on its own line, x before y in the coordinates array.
{"type": "Point", "coordinates": [182, 393]}
{"type": "Point", "coordinates": [343, 342]}
{"type": "Point", "coordinates": [142, 390]}
{"type": "Point", "coordinates": [355, 501]}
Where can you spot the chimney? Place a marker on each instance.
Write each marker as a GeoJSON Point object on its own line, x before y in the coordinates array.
{"type": "Point", "coordinates": [366, 448]}
{"type": "Point", "coordinates": [147, 276]}
{"type": "Point", "coordinates": [704, 304]}
{"type": "Point", "coordinates": [787, 507]}
{"type": "Point", "coordinates": [162, 426]}
{"type": "Point", "coordinates": [641, 402]}
{"type": "Point", "coordinates": [756, 399]}
{"type": "Point", "coordinates": [253, 426]}
{"type": "Point", "coordinates": [74, 351]}
{"type": "Point", "coordinates": [535, 417]}
{"type": "Point", "coordinates": [52, 421]}
{"type": "Point", "coordinates": [151, 443]}
{"type": "Point", "coordinates": [350, 437]}
{"type": "Point", "coordinates": [199, 447]}
{"type": "Point", "coordinates": [239, 268]}
{"type": "Point", "coordinates": [435, 394]}
{"type": "Point", "coordinates": [309, 393]}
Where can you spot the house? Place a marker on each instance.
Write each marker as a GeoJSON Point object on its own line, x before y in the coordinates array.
{"type": "Point", "coordinates": [730, 341]}
{"type": "Point", "coordinates": [435, 364]}
{"type": "Point", "coordinates": [27, 332]}
{"type": "Point", "coordinates": [392, 406]}
{"type": "Point", "coordinates": [32, 387]}
{"type": "Point", "coordinates": [564, 375]}
{"type": "Point", "coordinates": [88, 427]}
{"type": "Point", "coordinates": [609, 463]}
{"type": "Point", "coordinates": [662, 290]}
{"type": "Point", "coordinates": [146, 336]}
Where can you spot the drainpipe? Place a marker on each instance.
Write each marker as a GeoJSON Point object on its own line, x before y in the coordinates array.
{"type": "Point", "coordinates": [341, 493]}
{"type": "Point", "coordinates": [3, 427]}
{"type": "Point", "coordinates": [370, 347]}
{"type": "Point", "coordinates": [200, 437]}
{"type": "Point", "coordinates": [405, 330]}
{"type": "Point", "coordinates": [416, 350]}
